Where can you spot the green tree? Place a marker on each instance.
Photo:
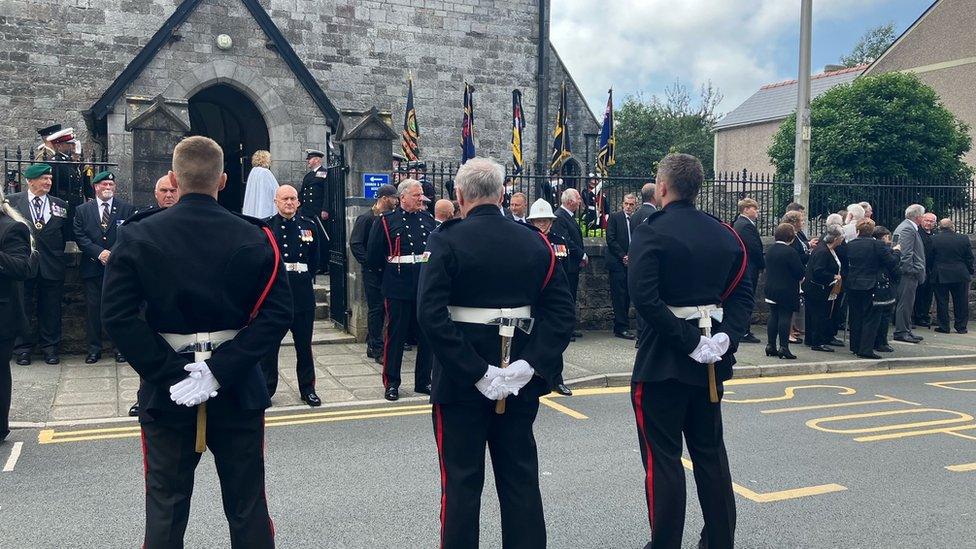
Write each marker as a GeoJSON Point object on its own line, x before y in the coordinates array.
{"type": "Point", "coordinates": [877, 130]}
{"type": "Point", "coordinates": [649, 129]}
{"type": "Point", "coordinates": [871, 45]}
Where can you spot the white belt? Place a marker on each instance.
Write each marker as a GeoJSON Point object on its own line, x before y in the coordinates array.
{"type": "Point", "coordinates": [198, 343]}
{"type": "Point", "coordinates": [415, 258]}
{"type": "Point", "coordinates": [296, 267]}
{"type": "Point", "coordinates": [506, 319]}
{"type": "Point", "coordinates": [703, 313]}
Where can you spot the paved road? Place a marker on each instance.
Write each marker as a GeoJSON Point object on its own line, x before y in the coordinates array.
{"type": "Point", "coordinates": [864, 459]}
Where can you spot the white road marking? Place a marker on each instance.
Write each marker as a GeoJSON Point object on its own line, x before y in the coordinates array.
{"type": "Point", "coordinates": [14, 456]}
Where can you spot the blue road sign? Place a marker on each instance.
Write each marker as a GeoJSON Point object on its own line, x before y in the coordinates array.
{"type": "Point", "coordinates": [372, 183]}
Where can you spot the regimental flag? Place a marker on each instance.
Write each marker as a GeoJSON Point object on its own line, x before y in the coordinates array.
{"type": "Point", "coordinates": [560, 136]}
{"type": "Point", "coordinates": [410, 142]}
{"type": "Point", "coordinates": [607, 155]}
{"type": "Point", "coordinates": [467, 125]}
{"type": "Point", "coordinates": [518, 124]}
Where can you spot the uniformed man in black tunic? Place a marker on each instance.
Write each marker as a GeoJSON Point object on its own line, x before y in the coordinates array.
{"type": "Point", "coordinates": [210, 281]}
{"type": "Point", "coordinates": [685, 265]}
{"type": "Point", "coordinates": [397, 246]}
{"type": "Point", "coordinates": [298, 241]}
{"type": "Point", "coordinates": [487, 274]}
{"type": "Point", "coordinates": [312, 198]}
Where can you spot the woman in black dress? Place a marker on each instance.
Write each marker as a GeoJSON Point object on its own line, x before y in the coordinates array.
{"type": "Point", "coordinates": [867, 258]}
{"type": "Point", "coordinates": [16, 265]}
{"type": "Point", "coordinates": [821, 287]}
{"type": "Point", "coordinates": [784, 271]}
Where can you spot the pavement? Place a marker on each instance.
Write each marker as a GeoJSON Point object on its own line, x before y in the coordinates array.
{"type": "Point", "coordinates": [74, 391]}
{"type": "Point", "coordinates": [864, 459]}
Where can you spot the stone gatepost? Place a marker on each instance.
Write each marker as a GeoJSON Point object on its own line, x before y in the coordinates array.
{"type": "Point", "coordinates": [367, 147]}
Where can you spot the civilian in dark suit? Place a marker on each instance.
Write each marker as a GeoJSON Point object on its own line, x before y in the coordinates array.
{"type": "Point", "coordinates": [17, 263]}
{"type": "Point", "coordinates": [96, 225]}
{"type": "Point", "coordinates": [911, 271]}
{"type": "Point", "coordinates": [516, 209]}
{"type": "Point", "coordinates": [922, 310]}
{"type": "Point", "coordinates": [618, 246]}
{"type": "Point", "coordinates": [867, 258]}
{"type": "Point", "coordinates": [784, 271]}
{"type": "Point", "coordinates": [646, 208]}
{"type": "Point", "coordinates": [952, 275]}
{"type": "Point", "coordinates": [822, 276]}
{"type": "Point", "coordinates": [48, 216]}
{"type": "Point", "coordinates": [745, 226]}
{"type": "Point", "coordinates": [567, 226]}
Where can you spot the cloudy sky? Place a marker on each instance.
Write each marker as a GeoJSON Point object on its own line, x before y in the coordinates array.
{"type": "Point", "coordinates": [739, 45]}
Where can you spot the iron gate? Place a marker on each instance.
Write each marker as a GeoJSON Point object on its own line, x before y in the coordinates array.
{"type": "Point", "coordinates": [335, 204]}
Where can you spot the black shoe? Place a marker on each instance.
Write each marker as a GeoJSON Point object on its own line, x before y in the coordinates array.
{"type": "Point", "coordinates": [771, 351]}
{"type": "Point", "coordinates": [835, 343]}
{"type": "Point", "coordinates": [120, 358]}
{"type": "Point", "coordinates": [822, 348]}
{"type": "Point", "coordinates": [373, 353]}
{"type": "Point", "coordinates": [884, 349]}
{"type": "Point", "coordinates": [564, 390]}
{"type": "Point", "coordinates": [23, 359]}
{"type": "Point", "coordinates": [577, 333]}
{"type": "Point", "coordinates": [312, 400]}
{"type": "Point", "coordinates": [637, 344]}
{"type": "Point", "coordinates": [785, 354]}
{"type": "Point", "coordinates": [907, 339]}
{"type": "Point", "coordinates": [962, 331]}
{"type": "Point", "coordinates": [423, 390]}
{"type": "Point", "coordinates": [872, 355]}
{"type": "Point", "coordinates": [93, 358]}
{"type": "Point", "coordinates": [392, 394]}
{"type": "Point", "coordinates": [52, 359]}
{"type": "Point", "coordinates": [572, 338]}
{"type": "Point", "coordinates": [917, 338]}
{"type": "Point", "coordinates": [379, 360]}
{"type": "Point", "coordinates": [750, 338]}
{"type": "Point", "coordinates": [942, 330]}
{"type": "Point", "coordinates": [623, 335]}
{"type": "Point", "coordinates": [922, 323]}
{"type": "Point", "coordinates": [134, 410]}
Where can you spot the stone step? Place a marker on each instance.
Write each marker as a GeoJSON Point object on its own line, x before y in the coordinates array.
{"type": "Point", "coordinates": [322, 293]}
{"type": "Point", "coordinates": [322, 311]}
{"type": "Point", "coordinates": [323, 333]}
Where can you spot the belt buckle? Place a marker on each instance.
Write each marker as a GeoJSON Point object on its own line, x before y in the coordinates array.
{"type": "Point", "coordinates": [524, 324]}
{"type": "Point", "coordinates": [203, 346]}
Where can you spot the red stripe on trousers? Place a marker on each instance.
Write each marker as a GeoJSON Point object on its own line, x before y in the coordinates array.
{"type": "Point", "coordinates": [145, 468]}
{"type": "Point", "coordinates": [264, 493]}
{"type": "Point", "coordinates": [439, 434]}
{"type": "Point", "coordinates": [649, 461]}
{"type": "Point", "coordinates": [386, 338]}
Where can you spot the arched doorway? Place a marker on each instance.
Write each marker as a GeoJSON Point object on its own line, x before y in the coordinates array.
{"type": "Point", "coordinates": [230, 118]}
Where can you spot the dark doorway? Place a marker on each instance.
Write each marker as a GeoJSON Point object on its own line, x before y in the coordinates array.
{"type": "Point", "coordinates": [231, 119]}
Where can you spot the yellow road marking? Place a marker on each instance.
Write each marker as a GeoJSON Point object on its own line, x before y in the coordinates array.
{"type": "Point", "coordinates": [563, 409]}
{"type": "Point", "coordinates": [965, 467]}
{"type": "Point", "coordinates": [946, 385]}
{"type": "Point", "coordinates": [892, 436]}
{"type": "Point", "coordinates": [780, 495]}
{"type": "Point", "coordinates": [790, 392]}
{"type": "Point", "coordinates": [960, 418]}
{"type": "Point", "coordinates": [883, 400]}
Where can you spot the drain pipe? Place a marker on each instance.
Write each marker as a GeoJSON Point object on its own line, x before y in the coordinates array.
{"type": "Point", "coordinates": [542, 90]}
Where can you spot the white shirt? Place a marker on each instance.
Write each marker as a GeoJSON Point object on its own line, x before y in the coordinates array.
{"type": "Point", "coordinates": [45, 206]}
{"type": "Point", "coordinates": [102, 203]}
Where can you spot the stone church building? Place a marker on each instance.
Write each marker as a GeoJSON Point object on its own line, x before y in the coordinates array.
{"type": "Point", "coordinates": [133, 76]}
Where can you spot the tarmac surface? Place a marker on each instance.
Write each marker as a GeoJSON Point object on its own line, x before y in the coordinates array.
{"type": "Point", "coordinates": [861, 459]}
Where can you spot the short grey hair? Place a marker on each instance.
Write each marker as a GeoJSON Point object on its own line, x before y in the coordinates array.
{"type": "Point", "coordinates": [834, 219]}
{"type": "Point", "coordinates": [856, 212]}
{"type": "Point", "coordinates": [480, 178]}
{"type": "Point", "coordinates": [866, 206]}
{"type": "Point", "coordinates": [630, 195]}
{"type": "Point", "coordinates": [914, 211]}
{"type": "Point", "coordinates": [684, 174]}
{"type": "Point", "coordinates": [647, 192]}
{"type": "Point", "coordinates": [832, 233]}
{"type": "Point", "coordinates": [405, 186]}
{"type": "Point", "coordinates": [568, 194]}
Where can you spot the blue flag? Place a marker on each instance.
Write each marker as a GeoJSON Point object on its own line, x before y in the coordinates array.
{"type": "Point", "coordinates": [467, 125]}
{"type": "Point", "coordinates": [607, 155]}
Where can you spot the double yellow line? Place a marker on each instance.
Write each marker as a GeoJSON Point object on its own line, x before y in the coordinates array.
{"type": "Point", "coordinates": [51, 436]}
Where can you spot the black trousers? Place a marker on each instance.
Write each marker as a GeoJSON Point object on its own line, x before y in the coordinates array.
{"type": "Point", "coordinates": [664, 411]}
{"type": "Point", "coordinates": [374, 306]}
{"type": "Point", "coordinates": [6, 385]}
{"type": "Point", "coordinates": [621, 301]}
{"type": "Point", "coordinates": [753, 274]}
{"type": "Point", "coordinates": [573, 279]}
{"type": "Point", "coordinates": [401, 322]}
{"type": "Point", "coordinates": [93, 305]}
{"type": "Point", "coordinates": [236, 438]}
{"type": "Point", "coordinates": [780, 320]}
{"type": "Point", "coordinates": [960, 304]}
{"type": "Point", "coordinates": [887, 313]}
{"type": "Point", "coordinates": [301, 334]}
{"type": "Point", "coordinates": [922, 312]}
{"type": "Point", "coordinates": [462, 430]}
{"type": "Point", "coordinates": [818, 327]}
{"type": "Point", "coordinates": [46, 294]}
{"type": "Point", "coordinates": [865, 320]}
{"type": "Point", "coordinates": [838, 314]}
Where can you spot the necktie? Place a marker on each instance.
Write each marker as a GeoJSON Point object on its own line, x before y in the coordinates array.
{"type": "Point", "coordinates": [38, 211]}
{"type": "Point", "coordinates": [628, 229]}
{"type": "Point", "coordinates": [105, 214]}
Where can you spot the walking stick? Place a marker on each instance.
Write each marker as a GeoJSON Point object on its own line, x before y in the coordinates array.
{"type": "Point", "coordinates": [200, 355]}
{"type": "Point", "coordinates": [507, 332]}
{"type": "Point", "coordinates": [705, 323]}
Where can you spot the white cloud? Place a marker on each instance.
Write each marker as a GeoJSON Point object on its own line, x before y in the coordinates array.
{"type": "Point", "coordinates": [644, 45]}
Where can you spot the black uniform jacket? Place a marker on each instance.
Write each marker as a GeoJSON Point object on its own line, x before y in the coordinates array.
{"type": "Point", "coordinates": [488, 261]}
{"type": "Point", "coordinates": [312, 195]}
{"type": "Point", "coordinates": [359, 238]}
{"type": "Point", "coordinates": [16, 264]}
{"type": "Point", "coordinates": [618, 241]}
{"type": "Point", "coordinates": [92, 238]}
{"type": "Point", "coordinates": [784, 270]}
{"type": "Point", "coordinates": [399, 233]}
{"type": "Point", "coordinates": [49, 240]}
{"type": "Point", "coordinates": [567, 226]}
{"type": "Point", "coordinates": [684, 257]}
{"type": "Point", "coordinates": [640, 216]}
{"type": "Point", "coordinates": [197, 268]}
{"type": "Point", "coordinates": [952, 258]}
{"type": "Point", "coordinates": [750, 237]}
{"type": "Point", "coordinates": [867, 258]}
{"type": "Point", "coordinates": [821, 270]}
{"type": "Point", "coordinates": [298, 242]}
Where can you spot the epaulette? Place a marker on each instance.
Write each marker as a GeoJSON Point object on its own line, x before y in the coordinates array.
{"type": "Point", "coordinates": [449, 223]}
{"type": "Point", "coordinates": [260, 223]}
{"type": "Point", "coordinates": [306, 219]}
{"type": "Point", "coordinates": [142, 214]}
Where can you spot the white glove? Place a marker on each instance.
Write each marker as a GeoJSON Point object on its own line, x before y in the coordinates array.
{"type": "Point", "coordinates": [720, 343]}
{"type": "Point", "coordinates": [707, 351]}
{"type": "Point", "coordinates": [513, 378]}
{"type": "Point", "coordinates": [198, 386]}
{"type": "Point", "coordinates": [484, 385]}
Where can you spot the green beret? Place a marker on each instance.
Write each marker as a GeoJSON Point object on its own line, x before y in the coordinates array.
{"type": "Point", "coordinates": [102, 176]}
{"type": "Point", "coordinates": [36, 170]}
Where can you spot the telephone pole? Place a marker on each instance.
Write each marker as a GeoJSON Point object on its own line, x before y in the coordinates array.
{"type": "Point", "coordinates": [801, 159]}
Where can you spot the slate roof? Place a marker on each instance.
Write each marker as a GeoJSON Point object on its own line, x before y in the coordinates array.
{"type": "Point", "coordinates": [777, 101]}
